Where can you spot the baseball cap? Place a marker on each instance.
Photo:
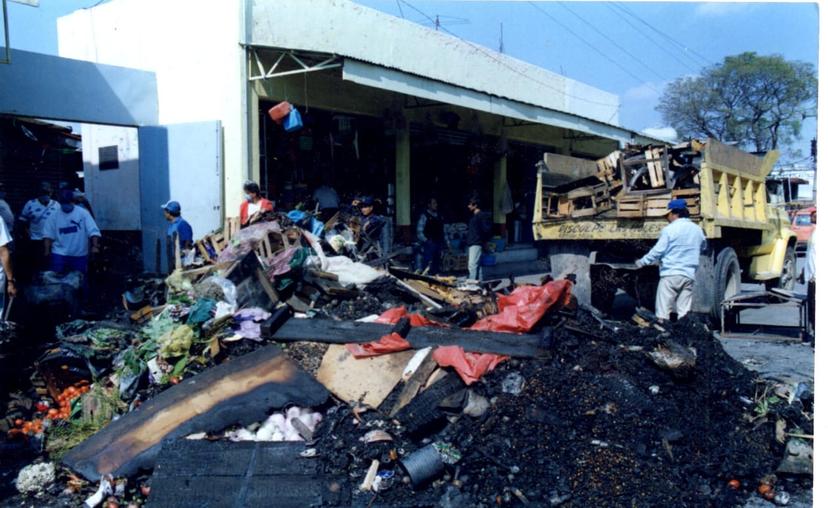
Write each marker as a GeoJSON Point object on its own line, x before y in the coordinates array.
{"type": "Point", "coordinates": [676, 204]}
{"type": "Point", "coordinates": [366, 201]}
{"type": "Point", "coordinates": [172, 206]}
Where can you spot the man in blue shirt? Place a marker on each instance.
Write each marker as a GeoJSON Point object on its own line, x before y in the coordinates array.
{"type": "Point", "coordinates": [178, 229]}
{"type": "Point", "coordinates": [677, 249]}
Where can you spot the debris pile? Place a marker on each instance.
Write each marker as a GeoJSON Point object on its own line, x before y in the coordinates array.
{"type": "Point", "coordinates": [376, 385]}
{"type": "Point", "coordinates": [638, 181]}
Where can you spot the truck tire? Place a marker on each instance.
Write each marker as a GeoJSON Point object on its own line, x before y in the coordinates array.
{"type": "Point", "coordinates": [727, 280]}
{"type": "Point", "coordinates": [787, 279]}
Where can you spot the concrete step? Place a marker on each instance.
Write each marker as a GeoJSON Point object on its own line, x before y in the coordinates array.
{"type": "Point", "coordinates": [502, 270]}
{"type": "Point", "coordinates": [517, 254]}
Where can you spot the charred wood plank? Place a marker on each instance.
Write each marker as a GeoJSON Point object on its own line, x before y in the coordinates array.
{"type": "Point", "coordinates": [346, 332]}
{"type": "Point", "coordinates": [221, 473]}
{"type": "Point", "coordinates": [243, 390]}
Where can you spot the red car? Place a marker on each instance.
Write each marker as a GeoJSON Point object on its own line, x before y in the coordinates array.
{"type": "Point", "coordinates": [801, 225]}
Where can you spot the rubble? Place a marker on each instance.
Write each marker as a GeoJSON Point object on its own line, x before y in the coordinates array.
{"type": "Point", "coordinates": [427, 393]}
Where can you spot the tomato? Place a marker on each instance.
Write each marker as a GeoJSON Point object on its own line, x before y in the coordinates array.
{"type": "Point", "coordinates": [53, 413]}
{"type": "Point", "coordinates": [734, 484]}
{"type": "Point", "coordinates": [18, 422]}
{"type": "Point", "coordinates": [175, 380]}
{"type": "Point", "coordinates": [40, 406]}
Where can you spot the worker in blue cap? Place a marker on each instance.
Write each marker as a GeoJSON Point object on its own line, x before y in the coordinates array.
{"type": "Point", "coordinates": [677, 251]}
{"type": "Point", "coordinates": [179, 229]}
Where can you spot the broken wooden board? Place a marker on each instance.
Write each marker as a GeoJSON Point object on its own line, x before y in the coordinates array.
{"type": "Point", "coordinates": [413, 384]}
{"type": "Point", "coordinates": [347, 332]}
{"type": "Point", "coordinates": [369, 380]}
{"type": "Point", "coordinates": [197, 473]}
{"type": "Point", "coordinates": [241, 391]}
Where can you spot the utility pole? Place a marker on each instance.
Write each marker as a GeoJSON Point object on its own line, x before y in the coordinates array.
{"type": "Point", "coordinates": [437, 22]}
{"type": "Point", "coordinates": [500, 46]}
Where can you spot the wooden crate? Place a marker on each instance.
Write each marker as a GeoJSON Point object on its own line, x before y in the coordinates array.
{"type": "Point", "coordinates": [657, 205]}
{"type": "Point", "coordinates": [631, 206]}
{"type": "Point", "coordinates": [607, 167]}
{"type": "Point", "coordinates": [654, 166]}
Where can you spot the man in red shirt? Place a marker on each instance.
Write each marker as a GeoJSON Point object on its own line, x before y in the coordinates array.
{"type": "Point", "coordinates": [254, 204]}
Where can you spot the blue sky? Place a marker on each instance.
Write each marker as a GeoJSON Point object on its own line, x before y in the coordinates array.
{"type": "Point", "coordinates": [702, 33]}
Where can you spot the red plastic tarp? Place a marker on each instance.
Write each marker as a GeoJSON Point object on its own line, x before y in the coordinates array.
{"type": "Point", "coordinates": [518, 313]}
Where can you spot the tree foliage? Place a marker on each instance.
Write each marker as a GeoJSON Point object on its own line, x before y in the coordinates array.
{"type": "Point", "coordinates": [758, 102]}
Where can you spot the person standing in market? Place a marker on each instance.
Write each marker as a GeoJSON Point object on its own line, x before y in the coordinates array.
{"type": "Point", "coordinates": [478, 234]}
{"type": "Point", "coordinates": [7, 281]}
{"type": "Point", "coordinates": [430, 233]}
{"type": "Point", "coordinates": [677, 251]}
{"type": "Point", "coordinates": [179, 232]}
{"type": "Point", "coordinates": [809, 276]}
{"type": "Point", "coordinates": [328, 200]}
{"type": "Point", "coordinates": [34, 215]}
{"type": "Point", "coordinates": [253, 205]}
{"type": "Point", "coordinates": [67, 235]}
{"type": "Point", "coordinates": [6, 212]}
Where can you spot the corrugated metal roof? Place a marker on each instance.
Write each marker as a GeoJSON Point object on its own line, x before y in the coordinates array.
{"type": "Point", "coordinates": [348, 29]}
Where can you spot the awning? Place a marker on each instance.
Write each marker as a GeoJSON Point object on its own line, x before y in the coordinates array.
{"type": "Point", "coordinates": [408, 84]}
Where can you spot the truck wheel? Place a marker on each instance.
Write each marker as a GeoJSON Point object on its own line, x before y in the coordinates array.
{"type": "Point", "coordinates": [788, 278]}
{"type": "Point", "coordinates": [727, 280]}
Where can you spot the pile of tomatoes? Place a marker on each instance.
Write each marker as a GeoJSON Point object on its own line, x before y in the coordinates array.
{"type": "Point", "coordinates": [61, 412]}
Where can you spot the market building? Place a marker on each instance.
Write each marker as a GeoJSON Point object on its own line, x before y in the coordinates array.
{"type": "Point", "coordinates": [381, 116]}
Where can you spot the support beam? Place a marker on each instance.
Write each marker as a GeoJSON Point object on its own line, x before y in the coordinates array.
{"type": "Point", "coordinates": [500, 183]}
{"type": "Point", "coordinates": [403, 177]}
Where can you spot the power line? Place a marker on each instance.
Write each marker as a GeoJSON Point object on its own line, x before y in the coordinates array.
{"type": "Point", "coordinates": [509, 67]}
{"type": "Point", "coordinates": [590, 45]}
{"type": "Point", "coordinates": [680, 58]}
{"type": "Point", "coordinates": [620, 47]}
{"type": "Point", "coordinates": [690, 51]}
{"type": "Point", "coordinates": [400, 8]}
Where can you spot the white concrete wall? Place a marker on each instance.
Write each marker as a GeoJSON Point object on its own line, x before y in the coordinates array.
{"type": "Point", "coordinates": [114, 193]}
{"type": "Point", "coordinates": [345, 28]}
{"type": "Point", "coordinates": [193, 48]}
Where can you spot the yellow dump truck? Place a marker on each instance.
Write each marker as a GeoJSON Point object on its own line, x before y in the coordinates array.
{"type": "Point", "coordinates": [597, 217]}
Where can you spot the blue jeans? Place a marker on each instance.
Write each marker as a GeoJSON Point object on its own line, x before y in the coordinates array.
{"type": "Point", "coordinates": [431, 257]}
{"type": "Point", "coordinates": [65, 264]}
{"type": "Point", "coordinates": [475, 251]}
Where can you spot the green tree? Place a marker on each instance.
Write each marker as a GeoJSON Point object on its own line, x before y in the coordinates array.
{"type": "Point", "coordinates": [756, 101]}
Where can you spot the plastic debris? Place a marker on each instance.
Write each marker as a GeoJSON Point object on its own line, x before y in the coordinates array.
{"type": "Point", "coordinates": [35, 478]}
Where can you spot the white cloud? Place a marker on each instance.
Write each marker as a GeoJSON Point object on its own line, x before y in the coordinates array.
{"type": "Point", "coordinates": [712, 9]}
{"type": "Point", "coordinates": [665, 133]}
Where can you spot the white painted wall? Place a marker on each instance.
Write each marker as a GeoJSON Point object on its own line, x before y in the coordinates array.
{"type": "Point", "coordinates": [193, 48]}
{"type": "Point", "coordinates": [345, 28]}
{"type": "Point", "coordinates": [114, 193]}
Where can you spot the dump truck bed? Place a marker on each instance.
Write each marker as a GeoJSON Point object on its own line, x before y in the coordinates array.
{"type": "Point", "coordinates": [728, 192]}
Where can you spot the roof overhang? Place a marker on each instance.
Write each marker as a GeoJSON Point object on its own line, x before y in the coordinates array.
{"type": "Point", "coordinates": [400, 82]}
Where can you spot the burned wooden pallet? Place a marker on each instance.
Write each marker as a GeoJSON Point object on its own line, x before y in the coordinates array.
{"type": "Point", "coordinates": [196, 473]}
{"type": "Point", "coordinates": [243, 391]}
{"type": "Point", "coordinates": [346, 332]}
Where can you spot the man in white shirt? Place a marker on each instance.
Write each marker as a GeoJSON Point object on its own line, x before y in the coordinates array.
{"type": "Point", "coordinates": [677, 252]}
{"type": "Point", "coordinates": [67, 235]}
{"type": "Point", "coordinates": [5, 211]}
{"type": "Point", "coordinates": [34, 216]}
{"type": "Point", "coordinates": [7, 282]}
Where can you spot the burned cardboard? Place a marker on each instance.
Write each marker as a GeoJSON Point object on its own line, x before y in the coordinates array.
{"type": "Point", "coordinates": [242, 391]}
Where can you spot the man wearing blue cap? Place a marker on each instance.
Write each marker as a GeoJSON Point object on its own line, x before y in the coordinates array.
{"type": "Point", "coordinates": [677, 252]}
{"type": "Point", "coordinates": [178, 230]}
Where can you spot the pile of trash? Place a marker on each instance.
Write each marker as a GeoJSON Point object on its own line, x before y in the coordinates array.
{"type": "Point", "coordinates": [369, 385]}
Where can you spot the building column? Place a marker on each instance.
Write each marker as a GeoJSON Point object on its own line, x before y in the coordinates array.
{"type": "Point", "coordinates": [500, 182]}
{"type": "Point", "coordinates": [403, 178]}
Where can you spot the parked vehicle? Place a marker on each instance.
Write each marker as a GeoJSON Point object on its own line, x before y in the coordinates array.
{"type": "Point", "coordinates": [802, 227]}
{"type": "Point", "coordinates": [596, 227]}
